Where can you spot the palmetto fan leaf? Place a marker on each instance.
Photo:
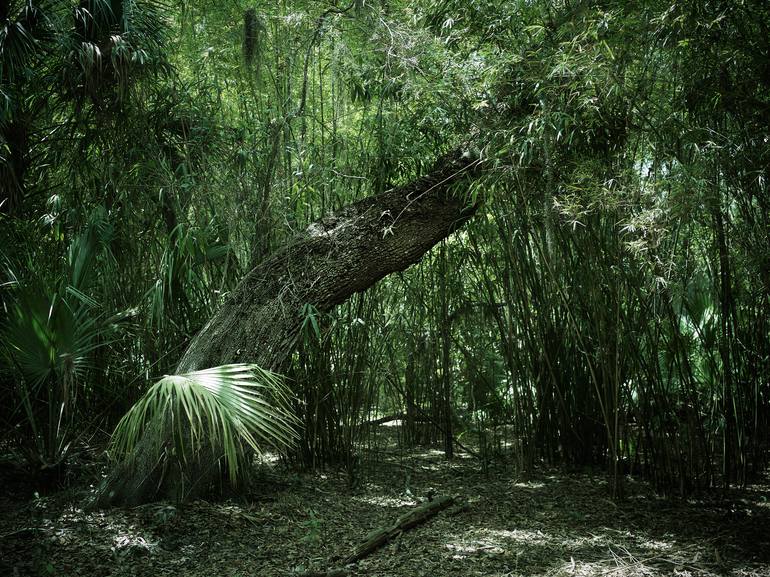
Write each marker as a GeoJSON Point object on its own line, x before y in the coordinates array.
{"type": "Point", "coordinates": [224, 406]}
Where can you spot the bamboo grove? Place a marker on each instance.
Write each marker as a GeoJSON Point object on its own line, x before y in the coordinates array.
{"type": "Point", "coordinates": [607, 306]}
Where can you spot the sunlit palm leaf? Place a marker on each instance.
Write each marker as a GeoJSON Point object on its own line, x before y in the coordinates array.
{"type": "Point", "coordinates": [223, 406]}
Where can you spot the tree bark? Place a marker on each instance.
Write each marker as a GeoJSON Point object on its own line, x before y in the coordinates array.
{"type": "Point", "coordinates": [323, 266]}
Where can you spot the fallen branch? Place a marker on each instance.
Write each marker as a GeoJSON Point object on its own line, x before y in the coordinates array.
{"type": "Point", "coordinates": [382, 420]}
{"type": "Point", "coordinates": [404, 523]}
{"type": "Point", "coordinates": [378, 538]}
{"type": "Point", "coordinates": [431, 420]}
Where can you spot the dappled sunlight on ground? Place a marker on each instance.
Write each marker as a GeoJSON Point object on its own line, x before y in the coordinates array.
{"type": "Point", "coordinates": [528, 485]}
{"type": "Point", "coordinates": [477, 541]}
{"type": "Point", "coordinates": [548, 524]}
{"type": "Point", "coordinates": [385, 501]}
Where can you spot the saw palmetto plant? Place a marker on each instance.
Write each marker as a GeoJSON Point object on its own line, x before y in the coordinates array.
{"type": "Point", "coordinates": [233, 407]}
{"type": "Point", "coordinates": [50, 337]}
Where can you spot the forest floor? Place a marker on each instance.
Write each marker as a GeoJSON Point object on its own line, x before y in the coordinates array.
{"type": "Point", "coordinates": [552, 524]}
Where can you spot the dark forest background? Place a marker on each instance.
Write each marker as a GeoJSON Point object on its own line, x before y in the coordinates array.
{"type": "Point", "coordinates": [608, 306]}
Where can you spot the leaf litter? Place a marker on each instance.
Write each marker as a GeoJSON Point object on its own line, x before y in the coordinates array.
{"type": "Point", "coordinates": [549, 523]}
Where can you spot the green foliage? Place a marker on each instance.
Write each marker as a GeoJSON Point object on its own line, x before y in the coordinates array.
{"type": "Point", "coordinates": [222, 406]}
{"type": "Point", "coordinates": [310, 325]}
{"type": "Point", "coordinates": [50, 337]}
{"type": "Point", "coordinates": [607, 306]}
{"type": "Point", "coordinates": [312, 527]}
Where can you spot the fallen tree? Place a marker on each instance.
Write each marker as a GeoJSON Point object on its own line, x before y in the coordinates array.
{"type": "Point", "coordinates": [260, 322]}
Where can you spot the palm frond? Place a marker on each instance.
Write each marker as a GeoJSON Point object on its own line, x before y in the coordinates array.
{"type": "Point", "coordinates": [228, 406]}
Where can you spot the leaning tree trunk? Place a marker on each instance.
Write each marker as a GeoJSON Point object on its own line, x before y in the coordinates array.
{"type": "Point", "coordinates": [323, 266]}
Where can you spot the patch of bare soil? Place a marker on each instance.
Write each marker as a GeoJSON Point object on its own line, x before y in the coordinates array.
{"type": "Point", "coordinates": [550, 524]}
